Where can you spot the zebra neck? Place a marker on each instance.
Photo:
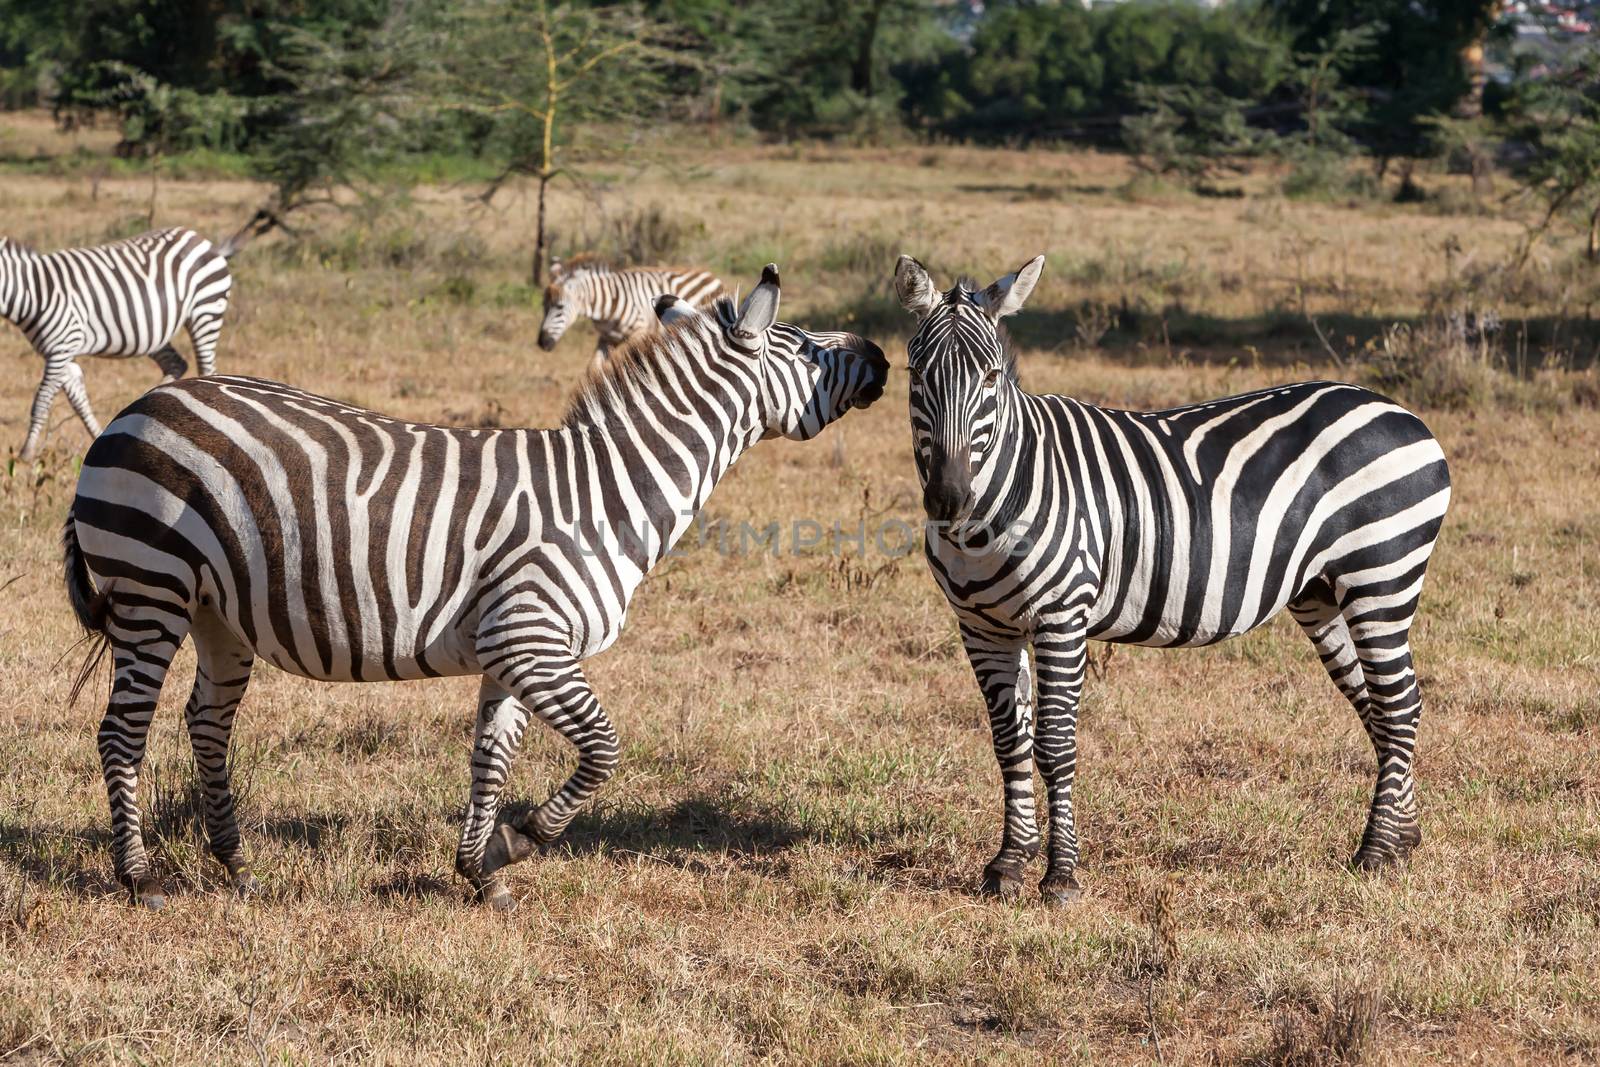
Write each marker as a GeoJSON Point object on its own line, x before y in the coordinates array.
{"type": "Point", "coordinates": [19, 297]}
{"type": "Point", "coordinates": [1002, 486]}
{"type": "Point", "coordinates": [652, 467]}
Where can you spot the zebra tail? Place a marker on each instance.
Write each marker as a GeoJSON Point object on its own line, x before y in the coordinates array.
{"type": "Point", "coordinates": [92, 608]}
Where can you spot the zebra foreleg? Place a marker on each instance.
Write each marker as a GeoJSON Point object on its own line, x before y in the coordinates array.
{"type": "Point", "coordinates": [1001, 667]}
{"type": "Point", "coordinates": [557, 692]}
{"type": "Point", "coordinates": [484, 849]}
{"type": "Point", "coordinates": [56, 371]}
{"type": "Point", "coordinates": [173, 365]}
{"type": "Point", "coordinates": [139, 668]}
{"type": "Point", "coordinates": [1059, 658]}
{"type": "Point", "coordinates": [222, 671]}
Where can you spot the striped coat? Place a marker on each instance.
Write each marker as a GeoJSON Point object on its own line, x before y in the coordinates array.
{"type": "Point", "coordinates": [129, 298]}
{"type": "Point", "coordinates": [339, 544]}
{"type": "Point", "coordinates": [1055, 522]}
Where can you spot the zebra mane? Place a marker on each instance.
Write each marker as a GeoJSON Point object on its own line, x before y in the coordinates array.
{"type": "Point", "coordinates": [634, 365]}
{"type": "Point", "coordinates": [21, 246]}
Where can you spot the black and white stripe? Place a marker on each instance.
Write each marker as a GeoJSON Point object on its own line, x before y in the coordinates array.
{"type": "Point", "coordinates": [129, 298]}
{"type": "Point", "coordinates": [344, 545]}
{"type": "Point", "coordinates": [1056, 522]}
{"type": "Point", "coordinates": [621, 303]}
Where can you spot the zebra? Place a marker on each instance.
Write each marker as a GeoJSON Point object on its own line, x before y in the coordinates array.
{"type": "Point", "coordinates": [620, 302]}
{"type": "Point", "coordinates": [128, 298]}
{"type": "Point", "coordinates": [344, 545]}
{"type": "Point", "coordinates": [1052, 522]}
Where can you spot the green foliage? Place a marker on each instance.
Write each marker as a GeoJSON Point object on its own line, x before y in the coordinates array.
{"type": "Point", "coordinates": [1329, 108]}
{"type": "Point", "coordinates": [1413, 67]}
{"type": "Point", "coordinates": [1061, 68]}
{"type": "Point", "coordinates": [1187, 131]}
{"type": "Point", "coordinates": [1558, 118]}
{"type": "Point", "coordinates": [157, 118]}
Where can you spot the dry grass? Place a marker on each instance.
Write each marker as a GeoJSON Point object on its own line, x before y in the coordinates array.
{"type": "Point", "coordinates": [784, 868]}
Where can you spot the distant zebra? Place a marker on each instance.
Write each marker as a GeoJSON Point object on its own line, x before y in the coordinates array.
{"type": "Point", "coordinates": [344, 545]}
{"type": "Point", "coordinates": [620, 302]}
{"type": "Point", "coordinates": [129, 298]}
{"type": "Point", "coordinates": [1056, 522]}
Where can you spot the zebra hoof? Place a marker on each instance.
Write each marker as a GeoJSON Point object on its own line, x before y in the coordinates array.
{"type": "Point", "coordinates": [1001, 885]}
{"type": "Point", "coordinates": [147, 894]}
{"type": "Point", "coordinates": [246, 886]}
{"type": "Point", "coordinates": [1372, 860]}
{"type": "Point", "coordinates": [1060, 889]}
{"type": "Point", "coordinates": [497, 897]}
{"type": "Point", "coordinates": [506, 846]}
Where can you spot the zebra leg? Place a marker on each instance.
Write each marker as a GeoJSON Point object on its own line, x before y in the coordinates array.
{"type": "Point", "coordinates": [222, 671]}
{"type": "Point", "coordinates": [1318, 615]}
{"type": "Point", "coordinates": [1381, 631]}
{"type": "Point", "coordinates": [173, 365]}
{"type": "Point", "coordinates": [139, 665]}
{"type": "Point", "coordinates": [204, 329]}
{"type": "Point", "coordinates": [484, 849]}
{"type": "Point", "coordinates": [1059, 658]}
{"type": "Point", "coordinates": [55, 375]}
{"type": "Point", "coordinates": [554, 689]}
{"type": "Point", "coordinates": [78, 396]}
{"type": "Point", "coordinates": [1369, 659]}
{"type": "Point", "coordinates": [602, 352]}
{"type": "Point", "coordinates": [1001, 666]}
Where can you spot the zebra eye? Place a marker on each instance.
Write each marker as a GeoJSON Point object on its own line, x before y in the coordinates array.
{"type": "Point", "coordinates": [990, 378]}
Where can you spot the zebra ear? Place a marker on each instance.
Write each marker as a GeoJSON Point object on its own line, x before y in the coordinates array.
{"type": "Point", "coordinates": [760, 309]}
{"type": "Point", "coordinates": [1006, 296]}
{"type": "Point", "coordinates": [914, 287]}
{"type": "Point", "coordinates": [671, 308]}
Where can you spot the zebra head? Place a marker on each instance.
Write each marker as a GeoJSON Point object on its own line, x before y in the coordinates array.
{"type": "Point", "coordinates": [563, 302]}
{"type": "Point", "coordinates": [804, 380]}
{"type": "Point", "coordinates": [961, 378]}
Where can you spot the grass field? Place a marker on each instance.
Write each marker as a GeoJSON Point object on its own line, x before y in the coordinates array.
{"type": "Point", "coordinates": [784, 869]}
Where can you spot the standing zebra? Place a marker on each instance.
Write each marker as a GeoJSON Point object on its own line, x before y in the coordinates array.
{"type": "Point", "coordinates": [621, 303]}
{"type": "Point", "coordinates": [1055, 522]}
{"type": "Point", "coordinates": [129, 298]}
{"type": "Point", "coordinates": [343, 545]}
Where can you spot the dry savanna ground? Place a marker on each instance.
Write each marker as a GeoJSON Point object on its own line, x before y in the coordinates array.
{"type": "Point", "coordinates": [785, 867]}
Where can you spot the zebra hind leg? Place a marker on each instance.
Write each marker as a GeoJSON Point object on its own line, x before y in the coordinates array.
{"type": "Point", "coordinates": [78, 396]}
{"type": "Point", "coordinates": [141, 652]}
{"type": "Point", "coordinates": [173, 365]}
{"type": "Point", "coordinates": [222, 672]}
{"type": "Point", "coordinates": [1381, 631]}
{"type": "Point", "coordinates": [205, 325]}
{"type": "Point", "coordinates": [484, 848]}
{"type": "Point", "coordinates": [1388, 710]}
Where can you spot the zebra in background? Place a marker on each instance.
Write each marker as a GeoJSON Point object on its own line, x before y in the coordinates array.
{"type": "Point", "coordinates": [621, 303]}
{"type": "Point", "coordinates": [344, 545]}
{"type": "Point", "coordinates": [1055, 522]}
{"type": "Point", "coordinates": [128, 298]}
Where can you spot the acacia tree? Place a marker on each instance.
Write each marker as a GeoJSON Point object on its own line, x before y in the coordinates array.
{"type": "Point", "coordinates": [346, 114]}
{"type": "Point", "coordinates": [532, 69]}
{"type": "Point", "coordinates": [1559, 122]}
